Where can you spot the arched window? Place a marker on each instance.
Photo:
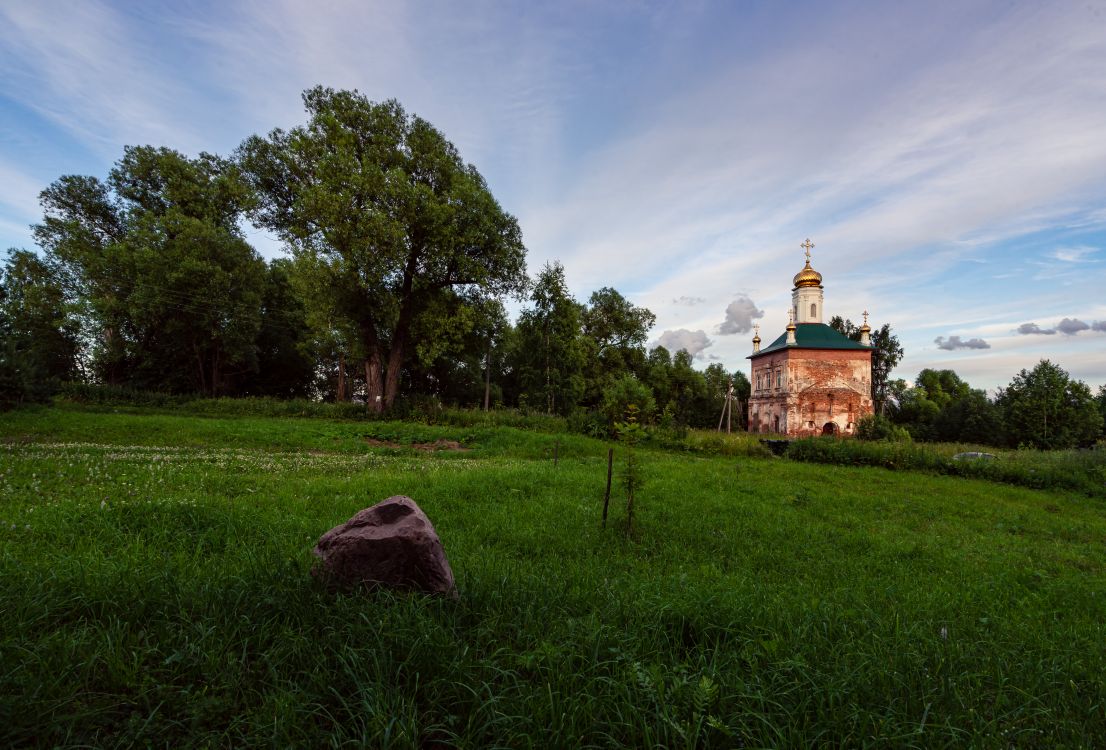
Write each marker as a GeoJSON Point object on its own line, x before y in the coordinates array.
{"type": "Point", "coordinates": [813, 310]}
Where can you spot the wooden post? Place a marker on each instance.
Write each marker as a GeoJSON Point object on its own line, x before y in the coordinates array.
{"type": "Point", "coordinates": [729, 408]}
{"type": "Point", "coordinates": [607, 495]}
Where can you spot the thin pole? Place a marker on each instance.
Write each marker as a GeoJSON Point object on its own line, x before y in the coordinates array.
{"type": "Point", "coordinates": [488, 379]}
{"type": "Point", "coordinates": [729, 407]}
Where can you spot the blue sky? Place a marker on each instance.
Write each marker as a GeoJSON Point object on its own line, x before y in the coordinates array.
{"type": "Point", "coordinates": [947, 159]}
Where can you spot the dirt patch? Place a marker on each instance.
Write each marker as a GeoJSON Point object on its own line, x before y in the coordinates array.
{"type": "Point", "coordinates": [437, 445]}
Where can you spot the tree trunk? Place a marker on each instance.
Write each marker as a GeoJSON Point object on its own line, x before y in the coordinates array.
{"type": "Point", "coordinates": [341, 378]}
{"type": "Point", "coordinates": [399, 336]}
{"type": "Point", "coordinates": [391, 376]}
{"type": "Point", "coordinates": [374, 386]}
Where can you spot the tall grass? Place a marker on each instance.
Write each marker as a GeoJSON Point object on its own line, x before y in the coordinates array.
{"type": "Point", "coordinates": [155, 590]}
{"type": "Point", "coordinates": [1079, 470]}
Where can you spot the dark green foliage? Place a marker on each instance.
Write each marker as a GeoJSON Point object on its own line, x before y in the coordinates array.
{"type": "Point", "coordinates": [39, 318]}
{"type": "Point", "coordinates": [973, 418]}
{"type": "Point", "coordinates": [614, 332]}
{"type": "Point", "coordinates": [549, 351]}
{"type": "Point", "coordinates": [172, 290]}
{"type": "Point", "coordinates": [625, 392]}
{"type": "Point", "coordinates": [879, 427]}
{"type": "Point", "coordinates": [1045, 408]}
{"type": "Point", "coordinates": [393, 222]}
{"type": "Point", "coordinates": [1101, 400]}
{"type": "Point", "coordinates": [285, 361]}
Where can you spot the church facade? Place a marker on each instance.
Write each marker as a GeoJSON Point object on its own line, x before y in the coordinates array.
{"type": "Point", "coordinates": [811, 380]}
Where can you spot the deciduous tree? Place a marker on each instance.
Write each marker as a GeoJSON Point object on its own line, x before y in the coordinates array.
{"type": "Point", "coordinates": [385, 202]}
{"type": "Point", "coordinates": [550, 351]}
{"type": "Point", "coordinates": [172, 288]}
{"type": "Point", "coordinates": [1045, 408]}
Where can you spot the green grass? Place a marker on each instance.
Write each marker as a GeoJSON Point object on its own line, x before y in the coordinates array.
{"type": "Point", "coordinates": [155, 591]}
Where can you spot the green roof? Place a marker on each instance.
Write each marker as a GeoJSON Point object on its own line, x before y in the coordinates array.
{"type": "Point", "coordinates": [812, 336]}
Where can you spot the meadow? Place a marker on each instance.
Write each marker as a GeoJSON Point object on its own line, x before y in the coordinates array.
{"type": "Point", "coordinates": [154, 576]}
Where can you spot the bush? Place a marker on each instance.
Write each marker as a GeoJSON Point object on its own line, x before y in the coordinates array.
{"type": "Point", "coordinates": [624, 392]}
{"type": "Point", "coordinates": [879, 427]}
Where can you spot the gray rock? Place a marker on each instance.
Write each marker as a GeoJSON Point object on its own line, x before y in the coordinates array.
{"type": "Point", "coordinates": [391, 544]}
{"type": "Point", "coordinates": [973, 455]}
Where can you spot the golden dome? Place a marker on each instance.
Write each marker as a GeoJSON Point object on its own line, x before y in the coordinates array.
{"type": "Point", "coordinates": [807, 277]}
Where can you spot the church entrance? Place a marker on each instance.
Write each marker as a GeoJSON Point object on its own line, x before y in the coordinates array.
{"type": "Point", "coordinates": [830, 428]}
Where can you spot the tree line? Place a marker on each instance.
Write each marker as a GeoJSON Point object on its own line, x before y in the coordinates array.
{"type": "Point", "coordinates": [1042, 407]}
{"type": "Point", "coordinates": [399, 261]}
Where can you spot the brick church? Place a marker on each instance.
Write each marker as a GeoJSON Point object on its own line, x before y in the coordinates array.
{"type": "Point", "coordinates": [811, 380]}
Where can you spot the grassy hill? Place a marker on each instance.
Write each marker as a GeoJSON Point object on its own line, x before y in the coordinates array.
{"type": "Point", "coordinates": [155, 590]}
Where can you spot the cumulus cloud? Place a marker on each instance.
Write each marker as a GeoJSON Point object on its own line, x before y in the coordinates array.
{"type": "Point", "coordinates": [955, 342]}
{"type": "Point", "coordinates": [1027, 329]}
{"type": "Point", "coordinates": [693, 342]}
{"type": "Point", "coordinates": [1071, 326]}
{"type": "Point", "coordinates": [1099, 325]}
{"type": "Point", "coordinates": [689, 301]}
{"type": "Point", "coordinates": [740, 315]}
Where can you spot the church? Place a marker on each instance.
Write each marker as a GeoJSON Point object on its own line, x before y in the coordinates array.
{"type": "Point", "coordinates": [811, 380]}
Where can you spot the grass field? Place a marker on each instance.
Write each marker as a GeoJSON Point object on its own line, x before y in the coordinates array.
{"type": "Point", "coordinates": [154, 591]}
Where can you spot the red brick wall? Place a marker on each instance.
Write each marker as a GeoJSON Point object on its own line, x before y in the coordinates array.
{"type": "Point", "coordinates": [817, 387]}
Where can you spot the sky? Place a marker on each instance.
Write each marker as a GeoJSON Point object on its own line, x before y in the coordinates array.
{"type": "Point", "coordinates": [947, 159]}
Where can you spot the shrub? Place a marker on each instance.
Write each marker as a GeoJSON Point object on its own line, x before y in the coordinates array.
{"type": "Point", "coordinates": [879, 427]}
{"type": "Point", "coordinates": [624, 392]}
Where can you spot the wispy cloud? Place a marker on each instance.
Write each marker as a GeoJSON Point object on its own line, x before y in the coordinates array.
{"type": "Point", "coordinates": [1080, 254]}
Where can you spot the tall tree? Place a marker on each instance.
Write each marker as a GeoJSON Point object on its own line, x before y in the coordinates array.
{"type": "Point", "coordinates": [285, 360]}
{"type": "Point", "coordinates": [40, 317]}
{"type": "Point", "coordinates": [549, 349]}
{"type": "Point", "coordinates": [615, 331]}
{"type": "Point", "coordinates": [1101, 399]}
{"type": "Point", "coordinates": [1045, 408]}
{"type": "Point", "coordinates": [172, 287]}
{"type": "Point", "coordinates": [886, 354]}
{"type": "Point", "coordinates": [385, 202]}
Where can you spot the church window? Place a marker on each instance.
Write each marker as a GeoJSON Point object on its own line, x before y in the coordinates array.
{"type": "Point", "coordinates": [813, 310]}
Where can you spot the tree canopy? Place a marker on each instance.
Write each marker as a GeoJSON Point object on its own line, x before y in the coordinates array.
{"type": "Point", "coordinates": [1045, 408]}
{"type": "Point", "coordinates": [171, 289]}
{"type": "Point", "coordinates": [391, 215]}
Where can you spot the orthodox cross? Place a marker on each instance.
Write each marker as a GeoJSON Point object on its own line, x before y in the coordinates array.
{"type": "Point", "coordinates": [808, 245]}
{"type": "Point", "coordinates": [865, 317]}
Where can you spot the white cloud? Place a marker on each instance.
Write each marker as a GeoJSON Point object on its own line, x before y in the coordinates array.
{"type": "Point", "coordinates": [740, 315]}
{"type": "Point", "coordinates": [693, 342]}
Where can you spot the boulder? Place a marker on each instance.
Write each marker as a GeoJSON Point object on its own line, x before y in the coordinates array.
{"type": "Point", "coordinates": [391, 544]}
